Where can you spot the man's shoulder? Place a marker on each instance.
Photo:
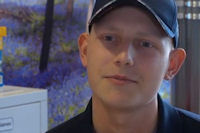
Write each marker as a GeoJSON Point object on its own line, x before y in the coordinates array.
{"type": "Point", "coordinates": [190, 121]}
{"type": "Point", "coordinates": [81, 123]}
{"type": "Point", "coordinates": [176, 120]}
{"type": "Point", "coordinates": [77, 124]}
{"type": "Point", "coordinates": [69, 125]}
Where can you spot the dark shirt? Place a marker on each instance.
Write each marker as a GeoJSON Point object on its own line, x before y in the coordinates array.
{"type": "Point", "coordinates": [170, 120]}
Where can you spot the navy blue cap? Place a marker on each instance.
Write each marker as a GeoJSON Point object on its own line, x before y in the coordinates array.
{"type": "Point", "coordinates": [164, 11]}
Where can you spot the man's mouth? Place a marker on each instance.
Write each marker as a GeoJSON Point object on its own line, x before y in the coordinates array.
{"type": "Point", "coordinates": [120, 79]}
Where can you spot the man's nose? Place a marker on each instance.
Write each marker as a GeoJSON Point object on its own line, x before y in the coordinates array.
{"type": "Point", "coordinates": [125, 56]}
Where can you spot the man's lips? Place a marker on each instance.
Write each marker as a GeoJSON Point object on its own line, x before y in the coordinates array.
{"type": "Point", "coordinates": [121, 78]}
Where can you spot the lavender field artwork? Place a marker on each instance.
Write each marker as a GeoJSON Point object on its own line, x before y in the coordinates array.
{"type": "Point", "coordinates": [65, 78]}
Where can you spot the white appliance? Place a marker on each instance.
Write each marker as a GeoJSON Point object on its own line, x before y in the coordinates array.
{"type": "Point", "coordinates": [23, 110]}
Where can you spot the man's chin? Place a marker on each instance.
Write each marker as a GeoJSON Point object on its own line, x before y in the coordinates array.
{"type": "Point", "coordinates": [121, 103]}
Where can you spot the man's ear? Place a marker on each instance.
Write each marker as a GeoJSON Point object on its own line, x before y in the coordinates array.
{"type": "Point", "coordinates": [82, 45]}
{"type": "Point", "coordinates": [177, 57]}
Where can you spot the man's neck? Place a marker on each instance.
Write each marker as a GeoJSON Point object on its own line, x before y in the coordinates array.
{"type": "Point", "coordinates": [109, 120]}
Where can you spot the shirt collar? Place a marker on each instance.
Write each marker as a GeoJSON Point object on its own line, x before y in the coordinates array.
{"type": "Point", "coordinates": [168, 118]}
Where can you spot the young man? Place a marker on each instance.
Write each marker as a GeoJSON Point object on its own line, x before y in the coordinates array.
{"type": "Point", "coordinates": [130, 48]}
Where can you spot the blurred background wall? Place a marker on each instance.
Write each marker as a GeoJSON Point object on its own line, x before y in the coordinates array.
{"type": "Point", "coordinates": [186, 87]}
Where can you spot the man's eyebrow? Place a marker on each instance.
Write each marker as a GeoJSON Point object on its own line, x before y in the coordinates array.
{"type": "Point", "coordinates": [108, 27]}
{"type": "Point", "coordinates": [113, 28]}
{"type": "Point", "coordinates": [148, 34]}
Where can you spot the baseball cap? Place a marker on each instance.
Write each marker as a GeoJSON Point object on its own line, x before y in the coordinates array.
{"type": "Point", "coordinates": [164, 11]}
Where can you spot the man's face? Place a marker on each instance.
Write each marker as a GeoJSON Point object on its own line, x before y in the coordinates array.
{"type": "Point", "coordinates": [127, 56]}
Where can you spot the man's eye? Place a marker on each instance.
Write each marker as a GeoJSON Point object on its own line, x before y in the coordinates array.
{"type": "Point", "coordinates": [109, 38]}
{"type": "Point", "coordinates": [146, 44]}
